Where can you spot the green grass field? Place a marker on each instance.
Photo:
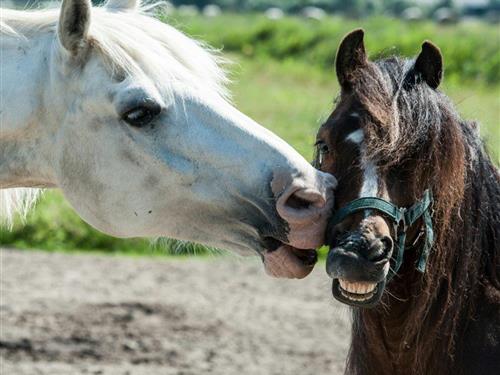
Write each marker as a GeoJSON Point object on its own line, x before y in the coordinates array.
{"type": "Point", "coordinates": [290, 96]}
{"type": "Point", "coordinates": [470, 49]}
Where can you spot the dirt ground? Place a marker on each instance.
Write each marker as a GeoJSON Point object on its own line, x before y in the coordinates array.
{"type": "Point", "coordinates": [88, 314]}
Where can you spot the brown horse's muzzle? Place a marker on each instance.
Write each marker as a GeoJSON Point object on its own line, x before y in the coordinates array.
{"type": "Point", "coordinates": [359, 261]}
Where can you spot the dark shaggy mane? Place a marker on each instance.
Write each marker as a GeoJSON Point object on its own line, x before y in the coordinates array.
{"type": "Point", "coordinates": [423, 318]}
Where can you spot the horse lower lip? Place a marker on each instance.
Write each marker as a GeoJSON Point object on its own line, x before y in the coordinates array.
{"type": "Point", "coordinates": [272, 244]}
{"type": "Point", "coordinates": [308, 257]}
{"type": "Point", "coordinates": [284, 262]}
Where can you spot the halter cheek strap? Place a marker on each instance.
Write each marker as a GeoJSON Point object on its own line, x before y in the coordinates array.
{"type": "Point", "coordinates": [403, 218]}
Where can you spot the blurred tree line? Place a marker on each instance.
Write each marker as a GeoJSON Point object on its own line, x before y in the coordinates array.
{"type": "Point", "coordinates": [349, 7]}
{"type": "Point", "coordinates": [353, 8]}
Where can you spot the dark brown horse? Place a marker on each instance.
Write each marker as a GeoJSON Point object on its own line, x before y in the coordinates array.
{"type": "Point", "coordinates": [394, 136]}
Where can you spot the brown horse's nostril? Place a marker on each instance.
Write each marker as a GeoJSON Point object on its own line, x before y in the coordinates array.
{"type": "Point", "coordinates": [387, 242]}
{"type": "Point", "coordinates": [380, 249]}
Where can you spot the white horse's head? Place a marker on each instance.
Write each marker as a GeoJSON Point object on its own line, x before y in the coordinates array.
{"type": "Point", "coordinates": [128, 117]}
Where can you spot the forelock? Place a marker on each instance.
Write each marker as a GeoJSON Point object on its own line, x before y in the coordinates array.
{"type": "Point", "coordinates": [136, 43]}
{"type": "Point", "coordinates": [399, 110]}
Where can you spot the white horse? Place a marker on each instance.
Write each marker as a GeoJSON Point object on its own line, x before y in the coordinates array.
{"type": "Point", "coordinates": [129, 118]}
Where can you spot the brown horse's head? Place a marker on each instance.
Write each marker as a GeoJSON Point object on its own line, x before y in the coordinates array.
{"type": "Point", "coordinates": [381, 127]}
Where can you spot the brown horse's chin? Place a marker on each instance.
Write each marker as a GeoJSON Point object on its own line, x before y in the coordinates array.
{"type": "Point", "coordinates": [289, 262]}
{"type": "Point", "coordinates": [358, 294]}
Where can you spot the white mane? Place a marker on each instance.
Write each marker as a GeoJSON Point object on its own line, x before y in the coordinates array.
{"type": "Point", "coordinates": [13, 201]}
{"type": "Point", "coordinates": [129, 42]}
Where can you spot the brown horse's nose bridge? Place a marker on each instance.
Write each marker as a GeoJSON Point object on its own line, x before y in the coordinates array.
{"type": "Point", "coordinates": [369, 235]}
{"type": "Point", "coordinates": [368, 222]}
{"type": "Point", "coordinates": [375, 224]}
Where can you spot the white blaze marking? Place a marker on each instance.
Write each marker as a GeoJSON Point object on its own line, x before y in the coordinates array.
{"type": "Point", "coordinates": [370, 183]}
{"type": "Point", "coordinates": [369, 187]}
{"type": "Point", "coordinates": [370, 180]}
{"type": "Point", "coordinates": [356, 136]}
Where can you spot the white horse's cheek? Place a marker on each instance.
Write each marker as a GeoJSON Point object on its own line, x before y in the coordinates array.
{"type": "Point", "coordinates": [85, 172]}
{"type": "Point", "coordinates": [119, 188]}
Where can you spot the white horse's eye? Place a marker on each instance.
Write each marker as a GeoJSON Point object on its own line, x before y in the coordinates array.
{"type": "Point", "coordinates": [142, 115]}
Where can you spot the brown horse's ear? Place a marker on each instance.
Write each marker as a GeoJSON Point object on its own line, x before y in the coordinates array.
{"type": "Point", "coordinates": [429, 64]}
{"type": "Point", "coordinates": [351, 56]}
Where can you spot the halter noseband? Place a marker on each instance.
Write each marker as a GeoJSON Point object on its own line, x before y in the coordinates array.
{"type": "Point", "coordinates": [403, 218]}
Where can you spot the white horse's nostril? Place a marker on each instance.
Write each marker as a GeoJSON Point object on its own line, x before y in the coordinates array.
{"type": "Point", "coordinates": [305, 204]}
{"type": "Point", "coordinates": [305, 199]}
{"type": "Point", "coordinates": [301, 205]}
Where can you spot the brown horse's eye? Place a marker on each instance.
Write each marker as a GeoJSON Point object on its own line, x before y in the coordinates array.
{"type": "Point", "coordinates": [322, 150]}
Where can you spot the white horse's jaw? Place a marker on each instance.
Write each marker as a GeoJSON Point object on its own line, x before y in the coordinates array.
{"type": "Point", "coordinates": [198, 171]}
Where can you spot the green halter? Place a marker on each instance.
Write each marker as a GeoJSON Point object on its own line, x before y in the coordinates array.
{"type": "Point", "coordinates": [403, 219]}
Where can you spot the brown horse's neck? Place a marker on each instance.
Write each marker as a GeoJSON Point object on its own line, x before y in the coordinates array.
{"type": "Point", "coordinates": [422, 319]}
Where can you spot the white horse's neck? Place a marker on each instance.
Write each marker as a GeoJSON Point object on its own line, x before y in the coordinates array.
{"type": "Point", "coordinates": [23, 114]}
{"type": "Point", "coordinates": [25, 63]}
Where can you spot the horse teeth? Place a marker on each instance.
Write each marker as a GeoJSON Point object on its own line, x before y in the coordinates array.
{"type": "Point", "coordinates": [359, 298]}
{"type": "Point", "coordinates": [357, 287]}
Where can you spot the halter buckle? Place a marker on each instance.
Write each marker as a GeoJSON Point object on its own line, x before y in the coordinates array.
{"type": "Point", "coordinates": [402, 225]}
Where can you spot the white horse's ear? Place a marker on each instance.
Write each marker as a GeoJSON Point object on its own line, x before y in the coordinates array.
{"type": "Point", "coordinates": [122, 4]}
{"type": "Point", "coordinates": [73, 26]}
